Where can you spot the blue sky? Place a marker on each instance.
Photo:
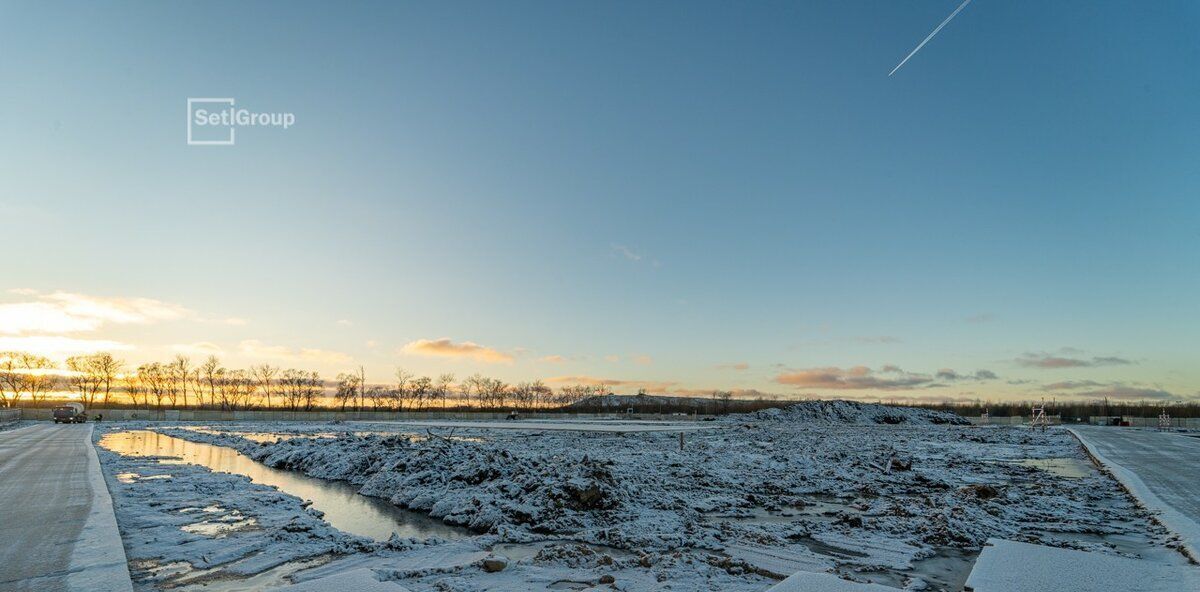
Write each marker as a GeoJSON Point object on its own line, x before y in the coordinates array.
{"type": "Point", "coordinates": [684, 188]}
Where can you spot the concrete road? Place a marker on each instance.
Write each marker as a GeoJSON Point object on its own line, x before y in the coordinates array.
{"type": "Point", "coordinates": [57, 529]}
{"type": "Point", "coordinates": [1162, 469]}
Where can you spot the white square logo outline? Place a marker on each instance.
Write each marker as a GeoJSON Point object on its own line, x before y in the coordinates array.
{"type": "Point", "coordinates": [192, 142]}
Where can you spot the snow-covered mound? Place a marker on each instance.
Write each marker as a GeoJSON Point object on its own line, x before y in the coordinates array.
{"type": "Point", "coordinates": [851, 412]}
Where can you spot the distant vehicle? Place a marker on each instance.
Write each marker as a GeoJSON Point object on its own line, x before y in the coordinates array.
{"type": "Point", "coordinates": [70, 413]}
{"type": "Point", "coordinates": [512, 416]}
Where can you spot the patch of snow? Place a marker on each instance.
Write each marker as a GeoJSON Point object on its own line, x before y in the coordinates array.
{"type": "Point", "coordinates": [1005, 566]}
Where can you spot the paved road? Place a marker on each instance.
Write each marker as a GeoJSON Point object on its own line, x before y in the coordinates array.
{"type": "Point", "coordinates": [1162, 469]}
{"type": "Point", "coordinates": [57, 530]}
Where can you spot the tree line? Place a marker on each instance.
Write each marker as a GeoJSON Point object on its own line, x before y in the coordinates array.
{"type": "Point", "coordinates": [102, 379]}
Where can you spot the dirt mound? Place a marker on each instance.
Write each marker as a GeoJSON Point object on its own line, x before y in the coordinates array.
{"type": "Point", "coordinates": [851, 412]}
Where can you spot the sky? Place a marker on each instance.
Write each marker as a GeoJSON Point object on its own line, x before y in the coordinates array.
{"type": "Point", "coordinates": [676, 196]}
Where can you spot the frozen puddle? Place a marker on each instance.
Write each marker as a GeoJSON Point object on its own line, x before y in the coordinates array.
{"type": "Point", "coordinates": [343, 507]}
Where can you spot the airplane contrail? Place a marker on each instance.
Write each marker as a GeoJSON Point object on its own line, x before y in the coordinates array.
{"type": "Point", "coordinates": [930, 36]}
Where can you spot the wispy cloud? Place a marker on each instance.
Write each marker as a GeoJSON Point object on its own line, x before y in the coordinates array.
{"type": "Point", "coordinates": [1128, 393]}
{"type": "Point", "coordinates": [888, 378]}
{"type": "Point", "coordinates": [880, 339]}
{"type": "Point", "coordinates": [65, 312]}
{"type": "Point", "coordinates": [202, 348]}
{"type": "Point", "coordinates": [446, 348]}
{"type": "Point", "coordinates": [739, 366]}
{"type": "Point", "coordinates": [59, 346]}
{"type": "Point", "coordinates": [651, 386]}
{"type": "Point", "coordinates": [1050, 361]}
{"type": "Point", "coordinates": [256, 349]}
{"type": "Point", "coordinates": [553, 359]}
{"type": "Point", "coordinates": [930, 36]}
{"type": "Point", "coordinates": [626, 252]}
{"type": "Point", "coordinates": [854, 378]}
{"type": "Point", "coordinates": [632, 255]}
{"type": "Point", "coordinates": [949, 374]}
{"type": "Point", "coordinates": [983, 317]}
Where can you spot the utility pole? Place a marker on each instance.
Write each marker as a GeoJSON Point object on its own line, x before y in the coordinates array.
{"type": "Point", "coordinates": [362, 386]}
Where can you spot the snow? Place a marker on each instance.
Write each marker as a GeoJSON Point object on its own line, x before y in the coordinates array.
{"type": "Point", "coordinates": [98, 558]}
{"type": "Point", "coordinates": [816, 488]}
{"type": "Point", "coordinates": [819, 582]}
{"type": "Point", "coordinates": [1005, 566]}
{"type": "Point", "coordinates": [853, 412]}
{"type": "Point", "coordinates": [357, 580]}
{"type": "Point", "coordinates": [569, 426]}
{"type": "Point", "coordinates": [1167, 510]}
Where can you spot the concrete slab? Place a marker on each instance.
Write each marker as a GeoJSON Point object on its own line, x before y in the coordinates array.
{"type": "Point", "coordinates": [1006, 566]}
{"type": "Point", "coordinates": [1160, 469]}
{"type": "Point", "coordinates": [58, 530]}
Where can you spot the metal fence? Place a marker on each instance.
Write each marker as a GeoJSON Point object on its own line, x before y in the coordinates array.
{"type": "Point", "coordinates": [330, 415]}
{"type": "Point", "coordinates": [8, 416]}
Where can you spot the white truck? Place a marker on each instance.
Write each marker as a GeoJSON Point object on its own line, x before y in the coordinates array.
{"type": "Point", "coordinates": [70, 413]}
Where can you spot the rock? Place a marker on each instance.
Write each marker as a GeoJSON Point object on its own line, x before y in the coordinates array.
{"type": "Point", "coordinates": [607, 579]}
{"type": "Point", "coordinates": [494, 564]}
{"type": "Point", "coordinates": [981, 491]}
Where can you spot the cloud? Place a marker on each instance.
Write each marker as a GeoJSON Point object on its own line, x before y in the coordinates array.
{"type": "Point", "coordinates": [612, 358]}
{"type": "Point", "coordinates": [985, 317]}
{"type": "Point", "coordinates": [855, 378]}
{"type": "Point", "coordinates": [626, 252]}
{"type": "Point", "coordinates": [1049, 361]}
{"type": "Point", "coordinates": [257, 349]}
{"type": "Point", "coordinates": [445, 348]}
{"type": "Point", "coordinates": [651, 386]}
{"type": "Point", "coordinates": [880, 339]}
{"type": "Point", "coordinates": [889, 377]}
{"type": "Point", "coordinates": [553, 359]}
{"type": "Point", "coordinates": [950, 374]}
{"type": "Point", "coordinates": [344, 323]}
{"type": "Point", "coordinates": [65, 312]}
{"type": "Point", "coordinates": [643, 360]}
{"type": "Point", "coordinates": [59, 313]}
{"type": "Point", "coordinates": [739, 366]}
{"type": "Point", "coordinates": [1128, 393]}
{"type": "Point", "coordinates": [59, 346]}
{"type": "Point", "coordinates": [202, 348]}
{"type": "Point", "coordinates": [1071, 385]}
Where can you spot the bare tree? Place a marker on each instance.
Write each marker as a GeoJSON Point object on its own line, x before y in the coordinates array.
{"type": "Point", "coordinates": [292, 385]}
{"type": "Point", "coordinates": [442, 388]}
{"type": "Point", "coordinates": [210, 374]}
{"type": "Point", "coordinates": [402, 380]}
{"type": "Point", "coordinates": [314, 388]}
{"type": "Point", "coordinates": [11, 382]}
{"type": "Point", "coordinates": [107, 369]}
{"type": "Point", "coordinates": [180, 369]}
{"type": "Point", "coordinates": [265, 374]}
{"type": "Point", "coordinates": [134, 388]}
{"type": "Point", "coordinates": [153, 377]}
{"type": "Point", "coordinates": [347, 388]}
{"type": "Point", "coordinates": [422, 391]}
{"type": "Point", "coordinates": [83, 378]}
{"type": "Point", "coordinates": [38, 380]}
{"type": "Point", "coordinates": [522, 395]}
{"type": "Point", "coordinates": [474, 384]}
{"type": "Point", "coordinates": [541, 394]}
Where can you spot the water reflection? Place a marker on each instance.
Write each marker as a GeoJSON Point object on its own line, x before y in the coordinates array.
{"type": "Point", "coordinates": [343, 507]}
